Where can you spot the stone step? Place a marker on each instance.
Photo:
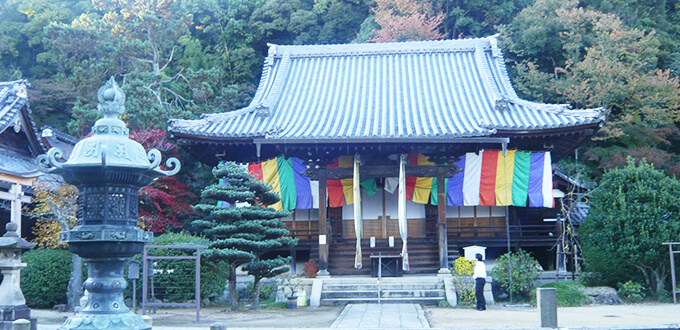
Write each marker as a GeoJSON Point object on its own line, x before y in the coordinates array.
{"type": "Point", "coordinates": [426, 290]}
{"type": "Point", "coordinates": [383, 286]}
{"type": "Point", "coordinates": [383, 294]}
{"type": "Point", "coordinates": [421, 300]}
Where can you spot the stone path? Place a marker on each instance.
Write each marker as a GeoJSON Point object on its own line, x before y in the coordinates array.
{"type": "Point", "coordinates": [386, 316]}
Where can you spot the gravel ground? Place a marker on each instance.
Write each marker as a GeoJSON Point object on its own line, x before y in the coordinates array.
{"type": "Point", "coordinates": [603, 316]}
{"type": "Point", "coordinates": [496, 316]}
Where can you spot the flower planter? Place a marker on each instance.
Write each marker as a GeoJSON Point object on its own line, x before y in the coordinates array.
{"type": "Point", "coordinates": [292, 302]}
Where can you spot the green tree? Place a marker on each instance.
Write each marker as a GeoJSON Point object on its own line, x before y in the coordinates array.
{"type": "Point", "coordinates": [286, 22]}
{"type": "Point", "coordinates": [634, 211]}
{"type": "Point", "coordinates": [470, 18]}
{"type": "Point", "coordinates": [660, 16]}
{"type": "Point", "coordinates": [139, 41]}
{"type": "Point", "coordinates": [222, 37]}
{"type": "Point", "coordinates": [55, 205]}
{"type": "Point", "coordinates": [341, 22]}
{"type": "Point", "coordinates": [562, 53]}
{"type": "Point", "coordinates": [21, 33]}
{"type": "Point", "coordinates": [243, 234]}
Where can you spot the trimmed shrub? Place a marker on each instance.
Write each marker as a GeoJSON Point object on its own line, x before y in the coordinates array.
{"type": "Point", "coordinates": [267, 289]}
{"type": "Point", "coordinates": [568, 294]}
{"type": "Point", "coordinates": [524, 272]}
{"type": "Point", "coordinates": [44, 281]}
{"type": "Point", "coordinates": [631, 291]}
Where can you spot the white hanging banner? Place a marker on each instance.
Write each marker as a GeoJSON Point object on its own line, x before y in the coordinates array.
{"type": "Point", "coordinates": [357, 210]}
{"type": "Point", "coordinates": [401, 210]}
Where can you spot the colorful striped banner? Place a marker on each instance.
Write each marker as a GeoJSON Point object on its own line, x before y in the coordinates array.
{"type": "Point", "coordinates": [454, 188]}
{"type": "Point", "coordinates": [506, 166]}
{"type": "Point", "coordinates": [286, 178]}
{"type": "Point", "coordinates": [422, 187]}
{"type": "Point", "coordinates": [520, 178]}
{"type": "Point", "coordinates": [472, 178]}
{"type": "Point", "coordinates": [487, 178]}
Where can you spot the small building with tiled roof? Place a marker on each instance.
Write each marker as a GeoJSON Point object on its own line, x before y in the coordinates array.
{"type": "Point", "coordinates": [443, 103]}
{"type": "Point", "coordinates": [19, 146]}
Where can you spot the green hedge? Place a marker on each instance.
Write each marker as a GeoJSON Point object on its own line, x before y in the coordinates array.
{"type": "Point", "coordinates": [44, 281]}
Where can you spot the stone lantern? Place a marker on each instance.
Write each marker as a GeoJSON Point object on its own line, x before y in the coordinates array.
{"type": "Point", "coordinates": [12, 302]}
{"type": "Point", "coordinates": [109, 169]}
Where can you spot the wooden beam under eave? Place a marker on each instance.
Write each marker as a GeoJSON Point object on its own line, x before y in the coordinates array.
{"type": "Point", "coordinates": [384, 171]}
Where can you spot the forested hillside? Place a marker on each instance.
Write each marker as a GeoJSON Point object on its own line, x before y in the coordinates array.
{"type": "Point", "coordinates": [182, 58]}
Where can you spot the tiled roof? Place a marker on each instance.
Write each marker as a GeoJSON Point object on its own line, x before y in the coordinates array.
{"type": "Point", "coordinates": [15, 119]}
{"type": "Point", "coordinates": [13, 97]}
{"type": "Point", "coordinates": [12, 163]}
{"type": "Point", "coordinates": [410, 90]}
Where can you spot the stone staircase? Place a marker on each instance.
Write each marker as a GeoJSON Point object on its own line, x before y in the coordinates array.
{"type": "Point", "coordinates": [454, 253]}
{"type": "Point", "coordinates": [410, 289]}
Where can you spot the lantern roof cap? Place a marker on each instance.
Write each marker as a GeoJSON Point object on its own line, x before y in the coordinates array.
{"type": "Point", "coordinates": [12, 240]}
{"type": "Point", "coordinates": [109, 145]}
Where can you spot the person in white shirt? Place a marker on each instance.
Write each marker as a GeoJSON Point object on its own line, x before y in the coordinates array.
{"type": "Point", "coordinates": [480, 280]}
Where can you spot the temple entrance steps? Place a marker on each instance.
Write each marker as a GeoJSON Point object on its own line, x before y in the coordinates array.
{"type": "Point", "coordinates": [409, 289]}
{"type": "Point", "coordinates": [423, 256]}
{"type": "Point", "coordinates": [453, 253]}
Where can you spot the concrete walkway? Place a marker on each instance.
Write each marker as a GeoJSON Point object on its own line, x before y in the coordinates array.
{"type": "Point", "coordinates": [386, 316]}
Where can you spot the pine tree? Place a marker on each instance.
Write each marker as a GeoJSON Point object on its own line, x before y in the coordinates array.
{"type": "Point", "coordinates": [243, 234]}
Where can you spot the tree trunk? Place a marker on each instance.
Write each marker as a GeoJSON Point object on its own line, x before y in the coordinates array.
{"type": "Point", "coordinates": [256, 295]}
{"type": "Point", "coordinates": [75, 283]}
{"type": "Point", "coordinates": [233, 295]}
{"type": "Point", "coordinates": [660, 278]}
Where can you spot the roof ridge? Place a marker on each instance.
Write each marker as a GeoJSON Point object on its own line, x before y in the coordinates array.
{"type": "Point", "coordinates": [263, 108]}
{"type": "Point", "coordinates": [408, 47]}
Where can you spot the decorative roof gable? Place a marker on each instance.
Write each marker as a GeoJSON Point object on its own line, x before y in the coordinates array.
{"type": "Point", "coordinates": [18, 143]}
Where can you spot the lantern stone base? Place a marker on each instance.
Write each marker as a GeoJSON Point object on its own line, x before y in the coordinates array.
{"type": "Point", "coordinates": [9, 314]}
{"type": "Point", "coordinates": [127, 320]}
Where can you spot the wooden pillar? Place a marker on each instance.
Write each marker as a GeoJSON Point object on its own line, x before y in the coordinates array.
{"type": "Point", "coordinates": [324, 240]}
{"type": "Point", "coordinates": [441, 222]}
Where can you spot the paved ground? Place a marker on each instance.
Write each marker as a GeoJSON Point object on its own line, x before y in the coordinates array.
{"type": "Point", "coordinates": [385, 316]}
{"type": "Point", "coordinates": [407, 316]}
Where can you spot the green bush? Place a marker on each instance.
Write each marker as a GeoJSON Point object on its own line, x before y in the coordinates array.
{"type": "Point", "coordinates": [524, 272]}
{"type": "Point", "coordinates": [174, 280]}
{"type": "Point", "coordinates": [267, 289]}
{"type": "Point", "coordinates": [463, 283]}
{"type": "Point", "coordinates": [44, 281]}
{"type": "Point", "coordinates": [631, 291]}
{"type": "Point", "coordinates": [568, 294]}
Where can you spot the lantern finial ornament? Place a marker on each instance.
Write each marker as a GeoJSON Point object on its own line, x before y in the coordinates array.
{"type": "Point", "coordinates": [111, 99]}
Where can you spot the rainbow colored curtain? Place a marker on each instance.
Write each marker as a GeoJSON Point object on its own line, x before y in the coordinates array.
{"type": "Point", "coordinates": [286, 178]}
{"type": "Point", "coordinates": [488, 178]}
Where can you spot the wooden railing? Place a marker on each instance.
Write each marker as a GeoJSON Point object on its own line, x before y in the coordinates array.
{"type": "Point", "coordinates": [304, 234]}
{"type": "Point", "coordinates": [540, 233]}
